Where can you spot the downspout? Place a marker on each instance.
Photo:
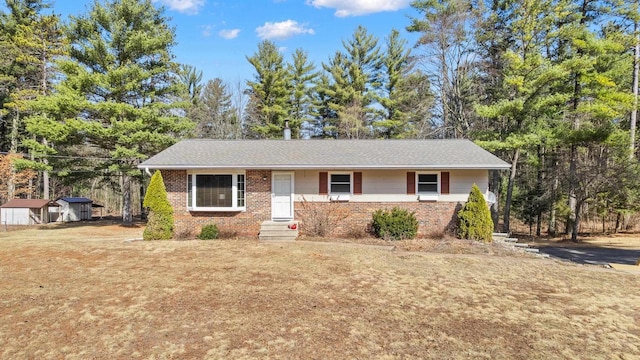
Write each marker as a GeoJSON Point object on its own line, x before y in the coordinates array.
{"type": "Point", "coordinates": [146, 169]}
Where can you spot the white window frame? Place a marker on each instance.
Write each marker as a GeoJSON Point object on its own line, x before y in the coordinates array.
{"type": "Point", "coordinates": [340, 173]}
{"type": "Point", "coordinates": [234, 192]}
{"type": "Point", "coordinates": [439, 181]}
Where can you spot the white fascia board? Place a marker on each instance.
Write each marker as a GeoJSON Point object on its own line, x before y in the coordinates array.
{"type": "Point", "coordinates": [327, 167]}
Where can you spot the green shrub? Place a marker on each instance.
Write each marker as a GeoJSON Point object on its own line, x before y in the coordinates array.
{"type": "Point", "coordinates": [208, 232]}
{"type": "Point", "coordinates": [160, 220]}
{"type": "Point", "coordinates": [475, 218]}
{"type": "Point", "coordinates": [397, 224]}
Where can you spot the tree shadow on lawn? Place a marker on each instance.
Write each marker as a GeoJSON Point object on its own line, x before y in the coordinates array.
{"type": "Point", "coordinates": [137, 223]}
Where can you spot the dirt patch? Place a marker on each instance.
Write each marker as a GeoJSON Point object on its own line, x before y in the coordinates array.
{"type": "Point", "coordinates": [83, 292]}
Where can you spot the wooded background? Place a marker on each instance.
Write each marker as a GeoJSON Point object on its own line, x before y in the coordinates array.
{"type": "Point", "coordinates": [550, 86]}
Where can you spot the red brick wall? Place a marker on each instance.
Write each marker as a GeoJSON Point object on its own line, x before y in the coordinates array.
{"type": "Point", "coordinates": [258, 204]}
{"type": "Point", "coordinates": [433, 216]}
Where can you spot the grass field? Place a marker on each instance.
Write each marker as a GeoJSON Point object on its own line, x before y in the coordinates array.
{"type": "Point", "coordinates": [83, 292]}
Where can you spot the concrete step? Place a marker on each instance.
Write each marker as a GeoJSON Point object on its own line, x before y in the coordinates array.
{"type": "Point", "coordinates": [531, 250]}
{"type": "Point", "coordinates": [278, 231]}
{"type": "Point", "coordinates": [510, 239]}
{"type": "Point", "coordinates": [275, 232]}
{"type": "Point", "coordinates": [277, 224]}
{"type": "Point", "coordinates": [520, 245]}
{"type": "Point", "coordinates": [267, 238]}
{"type": "Point", "coordinates": [500, 235]}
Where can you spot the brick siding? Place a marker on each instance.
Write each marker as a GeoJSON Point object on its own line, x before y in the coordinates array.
{"type": "Point", "coordinates": [346, 217]}
{"type": "Point", "coordinates": [189, 223]}
{"type": "Point", "coordinates": [349, 217]}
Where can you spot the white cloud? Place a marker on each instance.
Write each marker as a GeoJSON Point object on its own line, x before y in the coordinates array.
{"type": "Point", "coordinates": [229, 33]}
{"type": "Point", "coordinates": [206, 30]}
{"type": "Point", "coordinates": [359, 7]}
{"type": "Point", "coordinates": [183, 6]}
{"type": "Point", "coordinates": [282, 30]}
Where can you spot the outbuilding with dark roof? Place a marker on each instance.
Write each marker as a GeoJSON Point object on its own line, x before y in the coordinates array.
{"type": "Point", "coordinates": [74, 209]}
{"type": "Point", "coordinates": [27, 211]}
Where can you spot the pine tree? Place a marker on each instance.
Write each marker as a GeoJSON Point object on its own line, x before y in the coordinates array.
{"type": "Point", "coordinates": [302, 76]}
{"type": "Point", "coordinates": [474, 218]}
{"type": "Point", "coordinates": [269, 92]}
{"type": "Point", "coordinates": [522, 119]}
{"type": "Point", "coordinates": [33, 41]}
{"type": "Point", "coordinates": [214, 114]}
{"type": "Point", "coordinates": [397, 67]}
{"type": "Point", "coordinates": [160, 222]}
{"type": "Point", "coordinates": [118, 95]}
{"type": "Point", "coordinates": [353, 83]}
{"type": "Point", "coordinates": [596, 96]}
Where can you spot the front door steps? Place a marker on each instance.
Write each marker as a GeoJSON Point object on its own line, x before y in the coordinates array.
{"type": "Point", "coordinates": [278, 231]}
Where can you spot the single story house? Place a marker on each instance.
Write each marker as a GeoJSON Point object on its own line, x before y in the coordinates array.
{"type": "Point", "coordinates": [242, 184]}
{"type": "Point", "coordinates": [27, 211]}
{"type": "Point", "coordinates": [74, 209]}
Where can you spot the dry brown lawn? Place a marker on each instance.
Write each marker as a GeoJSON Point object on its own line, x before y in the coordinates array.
{"type": "Point", "coordinates": [83, 292]}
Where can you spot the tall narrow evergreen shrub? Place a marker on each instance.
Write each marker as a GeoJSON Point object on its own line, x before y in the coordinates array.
{"type": "Point", "coordinates": [160, 220]}
{"type": "Point", "coordinates": [475, 218]}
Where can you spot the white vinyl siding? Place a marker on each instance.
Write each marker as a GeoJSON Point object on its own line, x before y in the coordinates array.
{"type": "Point", "coordinates": [391, 185]}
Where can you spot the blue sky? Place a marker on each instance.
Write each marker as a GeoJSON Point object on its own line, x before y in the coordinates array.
{"type": "Point", "coordinates": [215, 36]}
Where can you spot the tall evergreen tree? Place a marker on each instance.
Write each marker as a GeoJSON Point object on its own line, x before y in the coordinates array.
{"type": "Point", "coordinates": [117, 97]}
{"type": "Point", "coordinates": [397, 65]}
{"type": "Point", "coordinates": [354, 81]}
{"type": "Point", "coordinates": [302, 75]}
{"type": "Point", "coordinates": [595, 99]}
{"type": "Point", "coordinates": [269, 92]}
{"type": "Point", "coordinates": [33, 41]}
{"type": "Point", "coordinates": [215, 116]}
{"type": "Point", "coordinates": [191, 78]}
{"type": "Point", "coordinates": [523, 117]}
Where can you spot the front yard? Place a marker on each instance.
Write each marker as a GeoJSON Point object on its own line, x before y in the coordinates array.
{"type": "Point", "coordinates": [85, 293]}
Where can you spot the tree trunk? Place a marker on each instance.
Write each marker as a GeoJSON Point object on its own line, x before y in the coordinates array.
{"type": "Point", "coordinates": [618, 222]}
{"type": "Point", "coordinates": [539, 180]}
{"type": "Point", "coordinates": [495, 182]}
{"type": "Point", "coordinates": [576, 223]}
{"type": "Point", "coordinates": [13, 149]}
{"type": "Point", "coordinates": [143, 212]}
{"type": "Point", "coordinates": [571, 219]}
{"type": "Point", "coordinates": [634, 111]}
{"type": "Point", "coordinates": [512, 177]}
{"type": "Point", "coordinates": [127, 216]}
{"type": "Point", "coordinates": [45, 176]}
{"type": "Point", "coordinates": [555, 182]}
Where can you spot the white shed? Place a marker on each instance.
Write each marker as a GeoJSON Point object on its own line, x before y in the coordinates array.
{"type": "Point", "coordinates": [27, 211]}
{"type": "Point", "coordinates": [74, 208]}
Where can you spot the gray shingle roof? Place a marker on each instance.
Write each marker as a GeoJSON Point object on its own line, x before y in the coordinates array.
{"type": "Point", "coordinates": [325, 154]}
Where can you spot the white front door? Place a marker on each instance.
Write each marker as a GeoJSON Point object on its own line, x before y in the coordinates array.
{"type": "Point", "coordinates": [282, 196]}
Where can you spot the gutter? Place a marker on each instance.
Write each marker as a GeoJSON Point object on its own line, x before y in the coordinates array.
{"type": "Point", "coordinates": [329, 167]}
